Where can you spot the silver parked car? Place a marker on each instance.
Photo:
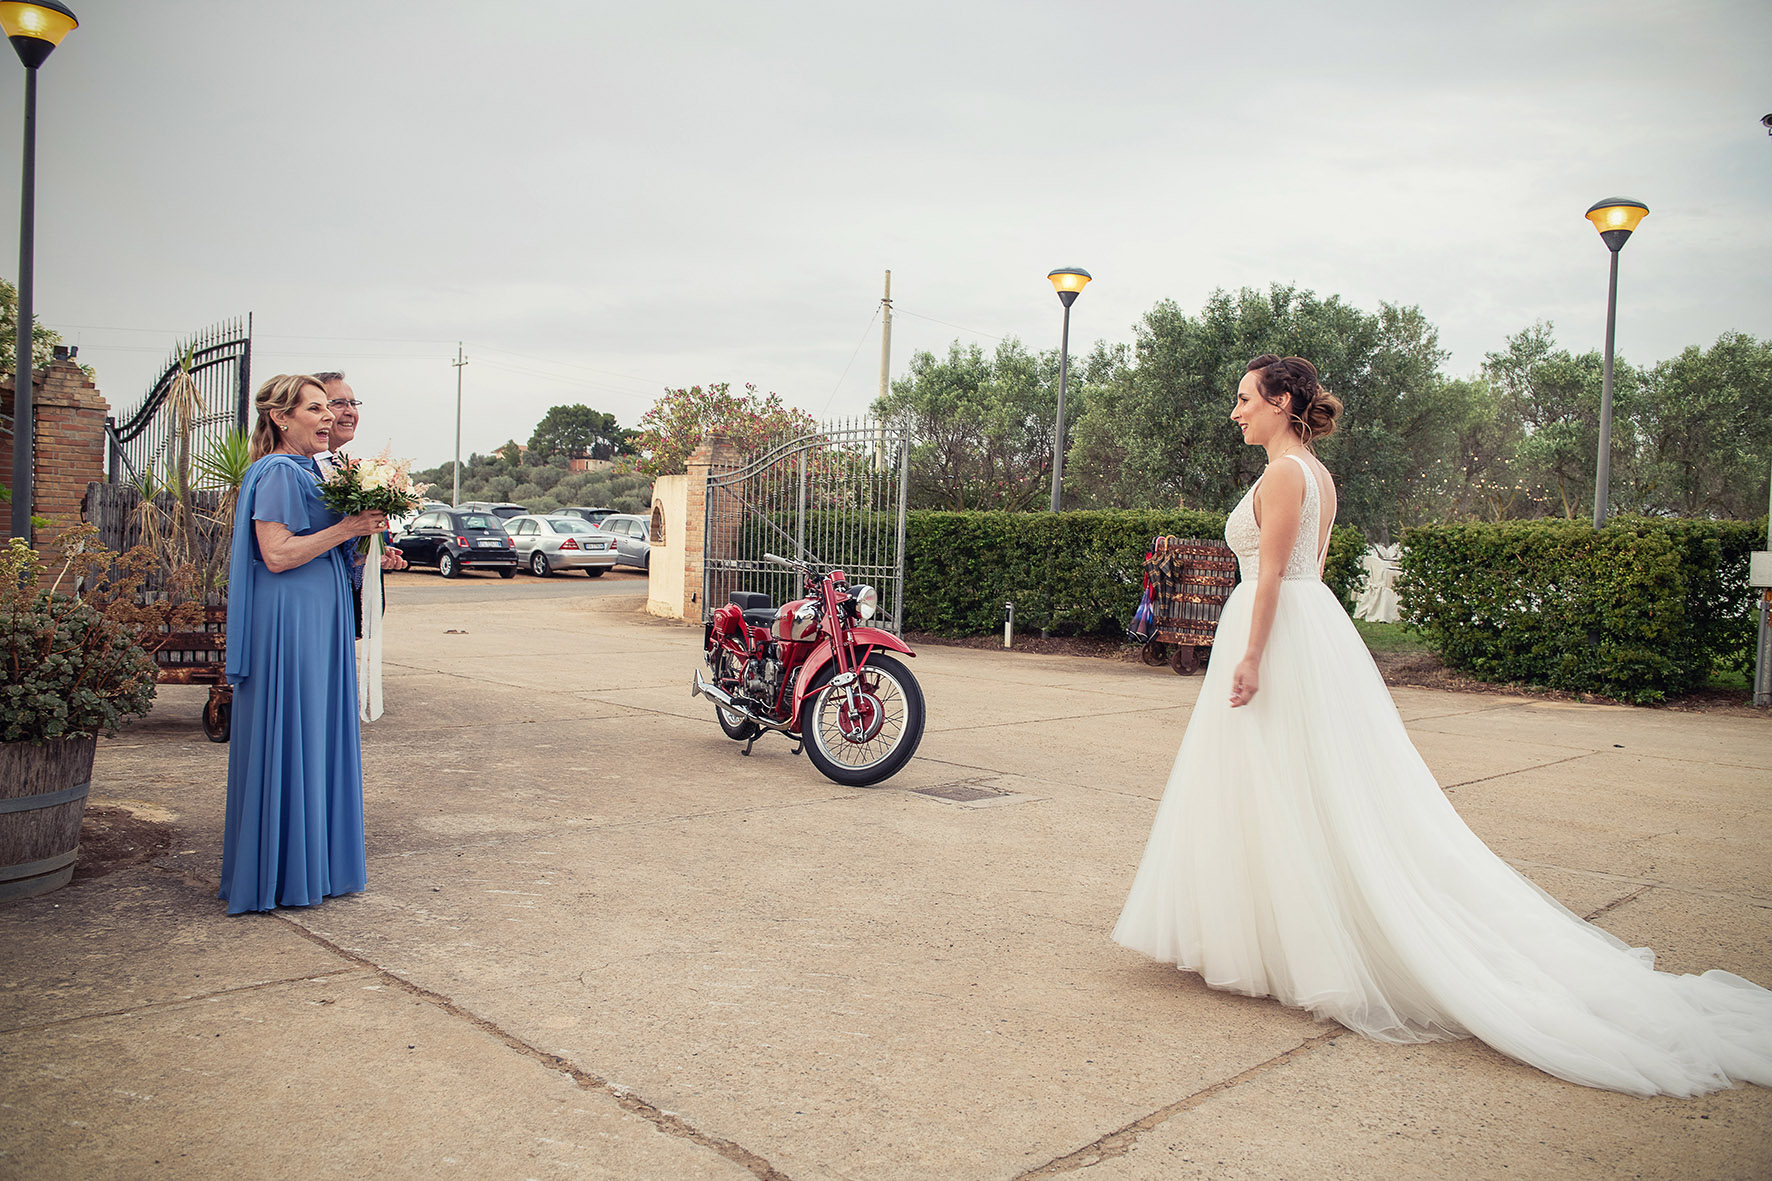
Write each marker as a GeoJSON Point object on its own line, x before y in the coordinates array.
{"type": "Point", "coordinates": [547, 544]}
{"type": "Point", "coordinates": [633, 538]}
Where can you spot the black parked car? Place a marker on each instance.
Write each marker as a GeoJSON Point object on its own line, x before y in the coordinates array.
{"type": "Point", "coordinates": [503, 510]}
{"type": "Point", "coordinates": [454, 540]}
{"type": "Point", "coordinates": [593, 516]}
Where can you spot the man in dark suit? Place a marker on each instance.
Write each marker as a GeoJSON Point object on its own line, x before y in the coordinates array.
{"type": "Point", "coordinates": [342, 401]}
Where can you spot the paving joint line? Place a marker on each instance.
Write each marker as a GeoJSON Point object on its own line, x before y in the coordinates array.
{"type": "Point", "coordinates": [196, 998]}
{"type": "Point", "coordinates": [666, 1122]}
{"type": "Point", "coordinates": [1586, 754]}
{"type": "Point", "coordinates": [1118, 1143]}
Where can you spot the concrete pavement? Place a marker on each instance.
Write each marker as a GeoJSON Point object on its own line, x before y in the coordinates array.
{"type": "Point", "coordinates": [597, 942]}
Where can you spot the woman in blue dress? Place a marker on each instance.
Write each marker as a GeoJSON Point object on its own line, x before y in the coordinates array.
{"type": "Point", "coordinates": [294, 829]}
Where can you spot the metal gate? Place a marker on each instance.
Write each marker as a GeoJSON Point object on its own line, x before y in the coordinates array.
{"type": "Point", "coordinates": [221, 365]}
{"type": "Point", "coordinates": [832, 498]}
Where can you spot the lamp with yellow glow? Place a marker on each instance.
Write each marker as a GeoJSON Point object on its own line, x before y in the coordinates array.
{"type": "Point", "coordinates": [1068, 282]}
{"type": "Point", "coordinates": [34, 29]}
{"type": "Point", "coordinates": [1615, 218]}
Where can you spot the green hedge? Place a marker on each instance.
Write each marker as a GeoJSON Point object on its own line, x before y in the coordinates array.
{"type": "Point", "coordinates": [1640, 610]}
{"type": "Point", "coordinates": [1071, 572]}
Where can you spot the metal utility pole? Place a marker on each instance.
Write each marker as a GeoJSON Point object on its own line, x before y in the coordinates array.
{"type": "Point", "coordinates": [460, 363]}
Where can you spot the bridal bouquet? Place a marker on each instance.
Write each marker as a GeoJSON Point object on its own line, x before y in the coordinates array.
{"type": "Point", "coordinates": [371, 485]}
{"type": "Point", "coordinates": [356, 486]}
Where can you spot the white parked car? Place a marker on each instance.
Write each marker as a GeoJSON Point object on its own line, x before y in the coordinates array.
{"type": "Point", "coordinates": [633, 538]}
{"type": "Point", "coordinates": [550, 543]}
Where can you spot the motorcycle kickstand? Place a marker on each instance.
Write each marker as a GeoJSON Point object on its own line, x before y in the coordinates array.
{"type": "Point", "coordinates": [752, 742]}
{"type": "Point", "coordinates": [798, 747]}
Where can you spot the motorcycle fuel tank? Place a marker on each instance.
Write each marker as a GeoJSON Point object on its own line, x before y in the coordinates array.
{"type": "Point", "coordinates": [797, 620]}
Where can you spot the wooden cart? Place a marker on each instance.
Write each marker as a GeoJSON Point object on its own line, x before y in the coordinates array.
{"type": "Point", "coordinates": [200, 658]}
{"type": "Point", "coordinates": [1190, 578]}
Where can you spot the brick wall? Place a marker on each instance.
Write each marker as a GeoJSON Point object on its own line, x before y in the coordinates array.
{"type": "Point", "coordinates": [69, 425]}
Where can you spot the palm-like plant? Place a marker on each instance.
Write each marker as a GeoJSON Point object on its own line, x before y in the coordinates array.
{"type": "Point", "coordinates": [173, 520]}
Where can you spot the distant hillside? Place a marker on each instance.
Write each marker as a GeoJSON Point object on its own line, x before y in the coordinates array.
{"type": "Point", "coordinates": [540, 488]}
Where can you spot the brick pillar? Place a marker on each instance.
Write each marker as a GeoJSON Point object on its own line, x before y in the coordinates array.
{"type": "Point", "coordinates": [69, 417]}
{"type": "Point", "coordinates": [715, 457]}
{"type": "Point", "coordinates": [70, 421]}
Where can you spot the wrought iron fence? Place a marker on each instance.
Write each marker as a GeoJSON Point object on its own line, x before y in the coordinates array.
{"type": "Point", "coordinates": [833, 498]}
{"type": "Point", "coordinates": [221, 367]}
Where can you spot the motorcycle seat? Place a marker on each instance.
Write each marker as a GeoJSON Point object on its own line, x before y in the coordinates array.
{"type": "Point", "coordinates": [759, 610]}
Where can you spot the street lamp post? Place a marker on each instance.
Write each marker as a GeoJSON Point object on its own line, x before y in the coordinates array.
{"type": "Point", "coordinates": [1763, 649]}
{"type": "Point", "coordinates": [1069, 283]}
{"type": "Point", "coordinates": [1615, 218]}
{"type": "Point", "coordinates": [34, 29]}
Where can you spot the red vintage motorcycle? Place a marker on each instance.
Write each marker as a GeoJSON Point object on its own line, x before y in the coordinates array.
{"type": "Point", "coordinates": [812, 670]}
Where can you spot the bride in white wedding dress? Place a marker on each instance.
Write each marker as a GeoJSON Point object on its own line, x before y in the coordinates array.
{"type": "Point", "coordinates": [1304, 851]}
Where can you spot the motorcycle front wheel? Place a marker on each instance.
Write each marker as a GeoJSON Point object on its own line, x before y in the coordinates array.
{"type": "Point", "coordinates": [860, 739]}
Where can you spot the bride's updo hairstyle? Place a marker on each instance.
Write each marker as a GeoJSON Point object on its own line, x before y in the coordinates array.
{"type": "Point", "coordinates": [1291, 384]}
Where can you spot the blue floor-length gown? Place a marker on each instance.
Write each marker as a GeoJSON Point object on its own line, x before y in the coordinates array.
{"type": "Point", "coordinates": [294, 829]}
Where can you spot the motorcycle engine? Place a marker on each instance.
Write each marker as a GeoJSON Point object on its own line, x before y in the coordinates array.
{"type": "Point", "coordinates": [762, 677]}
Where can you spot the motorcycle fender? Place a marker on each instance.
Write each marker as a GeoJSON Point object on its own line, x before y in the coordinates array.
{"type": "Point", "coordinates": [864, 640]}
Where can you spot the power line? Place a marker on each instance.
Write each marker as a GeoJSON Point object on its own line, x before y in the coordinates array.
{"type": "Point", "coordinates": [182, 333]}
{"type": "Point", "coordinates": [573, 365]}
{"type": "Point", "coordinates": [852, 356]}
{"type": "Point", "coordinates": [933, 320]}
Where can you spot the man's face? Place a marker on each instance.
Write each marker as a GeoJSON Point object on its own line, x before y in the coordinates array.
{"type": "Point", "coordinates": [343, 404]}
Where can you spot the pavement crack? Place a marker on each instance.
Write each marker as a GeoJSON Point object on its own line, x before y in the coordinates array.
{"type": "Point", "coordinates": [666, 1122]}
{"type": "Point", "coordinates": [1586, 754]}
{"type": "Point", "coordinates": [1119, 1143]}
{"type": "Point", "coordinates": [1619, 901]}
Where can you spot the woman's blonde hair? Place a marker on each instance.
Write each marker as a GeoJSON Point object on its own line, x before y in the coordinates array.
{"type": "Point", "coordinates": [282, 393]}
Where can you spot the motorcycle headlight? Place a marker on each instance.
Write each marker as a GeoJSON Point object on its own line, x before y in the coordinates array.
{"type": "Point", "coordinates": [866, 599]}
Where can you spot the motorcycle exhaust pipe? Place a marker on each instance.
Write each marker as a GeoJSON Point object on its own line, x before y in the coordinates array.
{"type": "Point", "coordinates": [725, 700]}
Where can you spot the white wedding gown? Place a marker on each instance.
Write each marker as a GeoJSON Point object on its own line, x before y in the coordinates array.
{"type": "Point", "coordinates": [1303, 851]}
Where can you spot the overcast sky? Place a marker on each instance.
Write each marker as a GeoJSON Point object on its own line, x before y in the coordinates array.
{"type": "Point", "coordinates": [605, 200]}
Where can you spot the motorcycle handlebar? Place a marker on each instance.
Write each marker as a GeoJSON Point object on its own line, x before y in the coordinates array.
{"type": "Point", "coordinates": [787, 561]}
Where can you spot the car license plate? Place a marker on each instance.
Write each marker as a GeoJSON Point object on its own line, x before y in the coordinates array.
{"type": "Point", "coordinates": [488, 543]}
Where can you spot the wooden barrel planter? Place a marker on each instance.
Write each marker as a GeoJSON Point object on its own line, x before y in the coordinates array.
{"type": "Point", "coordinates": [42, 798]}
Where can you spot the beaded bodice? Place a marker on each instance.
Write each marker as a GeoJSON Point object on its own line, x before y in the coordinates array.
{"type": "Point", "coordinates": [1243, 535]}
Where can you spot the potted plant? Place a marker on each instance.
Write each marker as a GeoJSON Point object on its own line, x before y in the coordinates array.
{"type": "Point", "coordinates": [75, 649]}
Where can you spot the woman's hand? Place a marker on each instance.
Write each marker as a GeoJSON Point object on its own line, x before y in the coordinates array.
{"type": "Point", "coordinates": [393, 559]}
{"type": "Point", "coordinates": [1246, 681]}
{"type": "Point", "coordinates": [365, 523]}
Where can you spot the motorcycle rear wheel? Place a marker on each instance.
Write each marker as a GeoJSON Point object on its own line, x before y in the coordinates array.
{"type": "Point", "coordinates": [860, 749]}
{"type": "Point", "coordinates": [735, 725]}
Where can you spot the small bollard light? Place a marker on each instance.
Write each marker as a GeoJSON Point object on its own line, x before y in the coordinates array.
{"type": "Point", "coordinates": [1008, 625]}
